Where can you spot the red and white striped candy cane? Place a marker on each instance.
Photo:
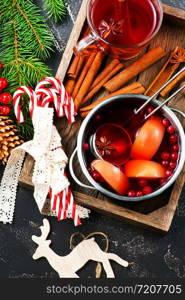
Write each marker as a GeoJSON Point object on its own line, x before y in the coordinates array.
{"type": "Point", "coordinates": [63, 102]}
{"type": "Point", "coordinates": [16, 101]}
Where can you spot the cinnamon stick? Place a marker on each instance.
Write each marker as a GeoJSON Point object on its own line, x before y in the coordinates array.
{"type": "Point", "coordinates": [73, 67]}
{"type": "Point", "coordinates": [134, 69]}
{"type": "Point", "coordinates": [69, 85]}
{"type": "Point", "coordinates": [93, 70]}
{"type": "Point", "coordinates": [171, 85]}
{"type": "Point", "coordinates": [106, 71]}
{"type": "Point", "coordinates": [134, 88]}
{"type": "Point", "coordinates": [83, 74]}
{"type": "Point", "coordinates": [139, 90]}
{"type": "Point", "coordinates": [173, 62]}
{"type": "Point", "coordinates": [96, 88]}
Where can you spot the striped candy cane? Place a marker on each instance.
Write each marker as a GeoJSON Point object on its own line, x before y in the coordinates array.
{"type": "Point", "coordinates": [62, 100]}
{"type": "Point", "coordinates": [16, 101]}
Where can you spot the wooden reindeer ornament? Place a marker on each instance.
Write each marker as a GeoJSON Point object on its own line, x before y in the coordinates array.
{"type": "Point", "coordinates": [67, 266]}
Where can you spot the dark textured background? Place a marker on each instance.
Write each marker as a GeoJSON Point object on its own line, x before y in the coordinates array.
{"type": "Point", "coordinates": [155, 256]}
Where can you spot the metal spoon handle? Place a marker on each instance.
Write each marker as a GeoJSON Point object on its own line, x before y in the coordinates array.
{"type": "Point", "coordinates": [151, 98]}
{"type": "Point", "coordinates": [166, 101]}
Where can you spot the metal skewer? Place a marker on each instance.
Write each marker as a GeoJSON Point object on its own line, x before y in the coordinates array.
{"type": "Point", "coordinates": [162, 104]}
{"type": "Point", "coordinates": [151, 98]}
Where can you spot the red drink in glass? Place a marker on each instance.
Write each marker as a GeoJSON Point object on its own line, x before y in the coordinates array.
{"type": "Point", "coordinates": [122, 27]}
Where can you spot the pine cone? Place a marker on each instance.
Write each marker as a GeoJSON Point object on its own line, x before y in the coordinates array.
{"type": "Point", "coordinates": [9, 138]}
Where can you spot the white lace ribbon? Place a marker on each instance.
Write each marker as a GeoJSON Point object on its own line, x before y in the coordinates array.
{"type": "Point", "coordinates": [50, 162]}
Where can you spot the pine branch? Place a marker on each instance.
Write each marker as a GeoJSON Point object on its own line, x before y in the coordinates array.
{"type": "Point", "coordinates": [19, 67]}
{"type": "Point", "coordinates": [55, 9]}
{"type": "Point", "coordinates": [33, 32]}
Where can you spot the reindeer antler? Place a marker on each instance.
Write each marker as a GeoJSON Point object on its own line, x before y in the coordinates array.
{"type": "Point", "coordinates": [45, 229]}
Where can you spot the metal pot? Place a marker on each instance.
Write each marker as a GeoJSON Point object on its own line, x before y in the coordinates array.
{"type": "Point", "coordinates": [166, 111]}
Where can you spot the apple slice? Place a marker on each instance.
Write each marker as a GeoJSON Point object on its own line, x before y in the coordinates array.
{"type": "Point", "coordinates": [112, 175]}
{"type": "Point", "coordinates": [144, 169]}
{"type": "Point", "coordinates": [148, 139]}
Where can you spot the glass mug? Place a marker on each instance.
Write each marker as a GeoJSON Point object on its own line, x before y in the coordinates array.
{"type": "Point", "coordinates": [122, 28]}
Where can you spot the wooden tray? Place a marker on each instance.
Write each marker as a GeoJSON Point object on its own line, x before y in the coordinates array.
{"type": "Point", "coordinates": [156, 213]}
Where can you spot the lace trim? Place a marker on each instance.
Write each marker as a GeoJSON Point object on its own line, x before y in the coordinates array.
{"type": "Point", "coordinates": [50, 162]}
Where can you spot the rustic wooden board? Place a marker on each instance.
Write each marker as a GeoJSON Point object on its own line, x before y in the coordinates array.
{"type": "Point", "coordinates": [156, 213]}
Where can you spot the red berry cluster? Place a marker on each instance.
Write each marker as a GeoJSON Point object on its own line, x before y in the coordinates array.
{"type": "Point", "coordinates": [145, 189]}
{"type": "Point", "coordinates": [169, 159]}
{"type": "Point", "coordinates": [5, 98]}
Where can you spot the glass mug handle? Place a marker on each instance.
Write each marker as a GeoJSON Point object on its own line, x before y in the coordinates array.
{"type": "Point", "coordinates": [85, 42]}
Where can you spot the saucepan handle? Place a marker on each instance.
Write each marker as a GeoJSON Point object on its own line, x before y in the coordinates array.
{"type": "Point", "coordinates": [73, 174]}
{"type": "Point", "coordinates": [178, 111]}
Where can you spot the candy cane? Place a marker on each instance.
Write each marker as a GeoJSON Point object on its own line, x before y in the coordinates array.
{"type": "Point", "coordinates": [16, 101]}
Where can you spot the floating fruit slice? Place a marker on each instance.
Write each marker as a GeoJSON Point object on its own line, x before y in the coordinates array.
{"type": "Point", "coordinates": [144, 169]}
{"type": "Point", "coordinates": [112, 175]}
{"type": "Point", "coordinates": [148, 139]}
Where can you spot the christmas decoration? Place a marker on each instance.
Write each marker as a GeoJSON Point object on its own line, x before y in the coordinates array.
{"type": "Point", "coordinates": [9, 138]}
{"type": "Point", "coordinates": [67, 266]}
{"type": "Point", "coordinates": [50, 160]}
{"type": "Point", "coordinates": [25, 40]}
{"type": "Point", "coordinates": [55, 9]}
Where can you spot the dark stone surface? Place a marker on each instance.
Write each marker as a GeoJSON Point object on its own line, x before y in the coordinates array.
{"type": "Point", "coordinates": [155, 256]}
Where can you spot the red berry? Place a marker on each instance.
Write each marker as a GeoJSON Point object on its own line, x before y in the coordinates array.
{"type": "Point", "coordinates": [165, 155]}
{"type": "Point", "coordinates": [90, 170]}
{"type": "Point", "coordinates": [173, 164]}
{"type": "Point", "coordinates": [149, 109]}
{"type": "Point", "coordinates": [96, 176]}
{"type": "Point", "coordinates": [170, 129]}
{"type": "Point", "coordinates": [175, 147]}
{"type": "Point", "coordinates": [174, 155]}
{"type": "Point", "coordinates": [1, 66]}
{"type": "Point", "coordinates": [147, 190]}
{"type": "Point", "coordinates": [86, 146]}
{"type": "Point", "coordinates": [166, 122]}
{"type": "Point", "coordinates": [168, 173]}
{"type": "Point", "coordinates": [162, 181]}
{"type": "Point", "coordinates": [131, 193]}
{"type": "Point", "coordinates": [165, 163]}
{"type": "Point", "coordinates": [3, 83]}
{"type": "Point", "coordinates": [173, 138]}
{"type": "Point", "coordinates": [142, 182]}
{"type": "Point", "coordinates": [139, 194]}
{"type": "Point", "coordinates": [4, 110]}
{"type": "Point", "coordinates": [5, 98]}
{"type": "Point", "coordinates": [97, 117]}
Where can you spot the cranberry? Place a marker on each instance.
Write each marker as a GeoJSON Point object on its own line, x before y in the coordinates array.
{"type": "Point", "coordinates": [142, 182]}
{"type": "Point", "coordinates": [173, 164]}
{"type": "Point", "coordinates": [165, 155]}
{"type": "Point", "coordinates": [90, 170]}
{"type": "Point", "coordinates": [96, 176]}
{"type": "Point", "coordinates": [173, 139]}
{"type": "Point", "coordinates": [139, 194]}
{"type": "Point", "coordinates": [86, 146]}
{"type": "Point", "coordinates": [165, 163]}
{"type": "Point", "coordinates": [1, 66]}
{"type": "Point", "coordinates": [175, 147]}
{"type": "Point", "coordinates": [162, 181]}
{"type": "Point", "coordinates": [174, 155]}
{"type": "Point", "coordinates": [170, 129]}
{"type": "Point", "coordinates": [166, 122]}
{"type": "Point", "coordinates": [131, 193]}
{"type": "Point", "coordinates": [3, 83]}
{"type": "Point", "coordinates": [4, 110]}
{"type": "Point", "coordinates": [168, 173]}
{"type": "Point", "coordinates": [97, 117]}
{"type": "Point", "coordinates": [5, 98]}
{"type": "Point", "coordinates": [147, 190]}
{"type": "Point", "coordinates": [149, 109]}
